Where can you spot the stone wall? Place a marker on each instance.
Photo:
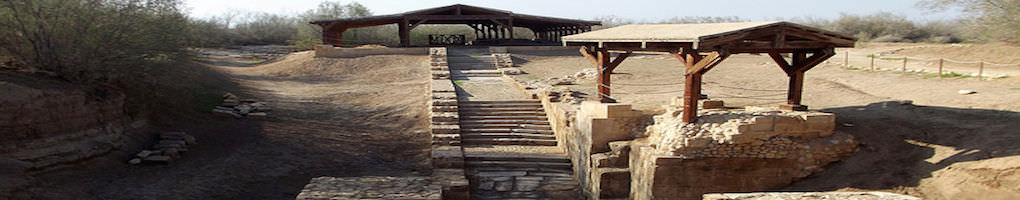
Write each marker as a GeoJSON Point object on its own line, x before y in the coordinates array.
{"type": "Point", "coordinates": [447, 155]}
{"type": "Point", "coordinates": [736, 150]}
{"type": "Point", "coordinates": [47, 124]}
{"type": "Point", "coordinates": [329, 51]}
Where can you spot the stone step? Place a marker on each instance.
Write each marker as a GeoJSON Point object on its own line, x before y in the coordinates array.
{"type": "Point", "coordinates": [476, 117]}
{"type": "Point", "coordinates": [508, 135]}
{"type": "Point", "coordinates": [504, 121]}
{"type": "Point", "coordinates": [509, 141]}
{"type": "Point", "coordinates": [509, 126]}
{"type": "Point", "coordinates": [498, 109]}
{"type": "Point", "coordinates": [502, 113]}
{"type": "Point", "coordinates": [528, 158]}
{"type": "Point", "coordinates": [518, 164]}
{"type": "Point", "coordinates": [475, 71]}
{"type": "Point", "coordinates": [503, 105]}
{"type": "Point", "coordinates": [505, 130]}
{"type": "Point", "coordinates": [455, 76]}
{"type": "Point", "coordinates": [502, 101]}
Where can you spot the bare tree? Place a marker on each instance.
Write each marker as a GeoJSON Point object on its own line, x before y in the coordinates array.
{"type": "Point", "coordinates": [992, 20]}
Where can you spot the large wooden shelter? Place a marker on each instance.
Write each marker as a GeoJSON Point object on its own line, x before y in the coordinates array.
{"type": "Point", "coordinates": [700, 47]}
{"type": "Point", "coordinates": [489, 24]}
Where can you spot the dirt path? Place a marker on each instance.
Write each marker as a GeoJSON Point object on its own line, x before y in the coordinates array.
{"type": "Point", "coordinates": [332, 117]}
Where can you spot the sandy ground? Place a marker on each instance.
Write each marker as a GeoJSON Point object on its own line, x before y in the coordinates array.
{"type": "Point", "coordinates": [943, 146]}
{"type": "Point", "coordinates": [332, 117]}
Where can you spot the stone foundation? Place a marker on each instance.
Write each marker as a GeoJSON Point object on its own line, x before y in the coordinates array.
{"type": "Point", "coordinates": [809, 196]}
{"type": "Point", "coordinates": [371, 187]}
{"type": "Point", "coordinates": [447, 154]}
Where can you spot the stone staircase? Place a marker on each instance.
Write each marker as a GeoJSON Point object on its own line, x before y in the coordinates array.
{"type": "Point", "coordinates": [510, 152]}
{"type": "Point", "coordinates": [472, 64]}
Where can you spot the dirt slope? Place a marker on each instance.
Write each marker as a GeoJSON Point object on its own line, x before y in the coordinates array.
{"type": "Point", "coordinates": [332, 117]}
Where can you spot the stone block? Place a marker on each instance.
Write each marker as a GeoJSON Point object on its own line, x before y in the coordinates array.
{"type": "Point", "coordinates": [444, 109]}
{"type": "Point", "coordinates": [454, 183]}
{"type": "Point", "coordinates": [226, 113]}
{"type": "Point", "coordinates": [257, 115]}
{"type": "Point", "coordinates": [444, 117]}
{"type": "Point", "coordinates": [612, 183]}
{"type": "Point", "coordinates": [446, 139]}
{"type": "Point", "coordinates": [144, 153]}
{"type": "Point", "coordinates": [445, 129]}
{"type": "Point", "coordinates": [444, 95]}
{"type": "Point", "coordinates": [789, 124]}
{"type": "Point", "coordinates": [710, 104]}
{"type": "Point", "coordinates": [157, 159]}
{"type": "Point", "coordinates": [763, 123]}
{"type": "Point", "coordinates": [823, 122]}
{"type": "Point", "coordinates": [444, 102]}
{"type": "Point", "coordinates": [447, 157]}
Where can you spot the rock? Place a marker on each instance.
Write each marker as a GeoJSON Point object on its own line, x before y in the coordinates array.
{"type": "Point", "coordinates": [487, 185]}
{"type": "Point", "coordinates": [172, 152]}
{"type": "Point", "coordinates": [261, 107]}
{"type": "Point", "coordinates": [229, 96]}
{"type": "Point", "coordinates": [190, 140]}
{"type": "Point", "coordinates": [244, 109]}
{"type": "Point", "coordinates": [966, 92]}
{"type": "Point", "coordinates": [249, 101]}
{"type": "Point", "coordinates": [504, 186]}
{"type": "Point", "coordinates": [226, 113]}
{"type": "Point", "coordinates": [158, 159]}
{"type": "Point", "coordinates": [231, 102]}
{"type": "Point", "coordinates": [144, 153]}
{"type": "Point", "coordinates": [258, 115]}
{"type": "Point", "coordinates": [135, 161]}
{"type": "Point", "coordinates": [512, 71]}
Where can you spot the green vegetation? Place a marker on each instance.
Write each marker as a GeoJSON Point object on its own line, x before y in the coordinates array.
{"type": "Point", "coordinates": [948, 75]}
{"type": "Point", "coordinates": [989, 20]}
{"type": "Point", "coordinates": [460, 83]}
{"type": "Point", "coordinates": [1014, 88]}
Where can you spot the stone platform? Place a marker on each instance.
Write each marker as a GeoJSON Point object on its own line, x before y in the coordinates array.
{"type": "Point", "coordinates": [370, 187]}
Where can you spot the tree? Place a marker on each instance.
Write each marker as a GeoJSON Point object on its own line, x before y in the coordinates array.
{"type": "Point", "coordinates": [309, 35]}
{"type": "Point", "coordinates": [87, 40]}
{"type": "Point", "coordinates": [991, 20]}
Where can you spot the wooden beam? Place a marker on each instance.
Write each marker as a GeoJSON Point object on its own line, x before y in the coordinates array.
{"type": "Point", "coordinates": [404, 33]}
{"type": "Point", "coordinates": [616, 61]}
{"type": "Point", "coordinates": [604, 76]}
{"type": "Point", "coordinates": [589, 53]}
{"type": "Point", "coordinates": [418, 23]}
{"type": "Point", "coordinates": [776, 56]}
{"type": "Point", "coordinates": [692, 93]}
{"type": "Point", "coordinates": [457, 17]}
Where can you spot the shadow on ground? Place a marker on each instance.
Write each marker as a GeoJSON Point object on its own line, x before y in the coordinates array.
{"type": "Point", "coordinates": [901, 144]}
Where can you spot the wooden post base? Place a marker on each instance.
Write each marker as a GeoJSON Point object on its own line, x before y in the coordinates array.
{"type": "Point", "coordinates": [607, 100]}
{"type": "Point", "coordinates": [793, 107]}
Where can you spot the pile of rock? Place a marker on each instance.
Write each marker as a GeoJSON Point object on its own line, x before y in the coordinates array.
{"type": "Point", "coordinates": [170, 146]}
{"type": "Point", "coordinates": [235, 107]}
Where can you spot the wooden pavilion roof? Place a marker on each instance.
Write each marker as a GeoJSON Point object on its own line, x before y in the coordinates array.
{"type": "Point", "coordinates": [458, 14]}
{"type": "Point", "coordinates": [739, 37]}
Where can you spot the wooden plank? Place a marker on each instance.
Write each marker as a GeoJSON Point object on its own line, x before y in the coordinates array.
{"type": "Point", "coordinates": [418, 23]}
{"type": "Point", "coordinates": [458, 17]}
{"type": "Point", "coordinates": [588, 52]}
{"type": "Point", "coordinates": [692, 92]}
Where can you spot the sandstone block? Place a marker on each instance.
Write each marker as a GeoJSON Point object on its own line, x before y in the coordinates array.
{"type": "Point", "coordinates": [135, 161]}
{"type": "Point", "coordinates": [824, 122]}
{"type": "Point", "coordinates": [444, 117]}
{"type": "Point", "coordinates": [445, 129]}
{"type": "Point", "coordinates": [788, 124]}
{"type": "Point", "coordinates": [226, 113]}
{"type": "Point", "coordinates": [144, 153]}
{"type": "Point", "coordinates": [257, 115]}
{"type": "Point", "coordinates": [711, 104]}
{"type": "Point", "coordinates": [444, 102]}
{"type": "Point", "coordinates": [444, 108]}
{"type": "Point", "coordinates": [447, 157]}
{"type": "Point", "coordinates": [157, 159]}
{"type": "Point", "coordinates": [763, 123]}
{"type": "Point", "coordinates": [444, 95]}
{"type": "Point", "coordinates": [446, 139]}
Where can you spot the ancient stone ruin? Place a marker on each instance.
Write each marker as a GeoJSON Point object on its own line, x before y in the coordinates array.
{"type": "Point", "coordinates": [169, 146]}
{"type": "Point", "coordinates": [236, 107]}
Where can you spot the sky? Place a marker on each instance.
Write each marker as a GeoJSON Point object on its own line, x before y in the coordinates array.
{"type": "Point", "coordinates": [640, 10]}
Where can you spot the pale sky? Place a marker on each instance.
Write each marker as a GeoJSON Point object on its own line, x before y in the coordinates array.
{"type": "Point", "coordinates": [641, 10]}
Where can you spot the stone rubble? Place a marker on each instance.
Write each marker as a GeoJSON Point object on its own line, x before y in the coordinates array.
{"type": "Point", "coordinates": [235, 107]}
{"type": "Point", "coordinates": [170, 146]}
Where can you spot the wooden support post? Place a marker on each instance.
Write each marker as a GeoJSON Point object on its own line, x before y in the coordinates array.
{"type": "Point", "coordinates": [405, 33]}
{"type": "Point", "coordinates": [692, 93]}
{"type": "Point", "coordinates": [795, 70]}
{"type": "Point", "coordinates": [846, 59]}
{"type": "Point", "coordinates": [981, 69]}
{"type": "Point", "coordinates": [940, 67]}
{"type": "Point", "coordinates": [872, 62]}
{"type": "Point", "coordinates": [904, 64]}
{"type": "Point", "coordinates": [510, 26]}
{"type": "Point", "coordinates": [600, 57]}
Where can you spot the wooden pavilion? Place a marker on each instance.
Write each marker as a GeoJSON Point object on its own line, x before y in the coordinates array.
{"type": "Point", "coordinates": [489, 24]}
{"type": "Point", "coordinates": [703, 46]}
